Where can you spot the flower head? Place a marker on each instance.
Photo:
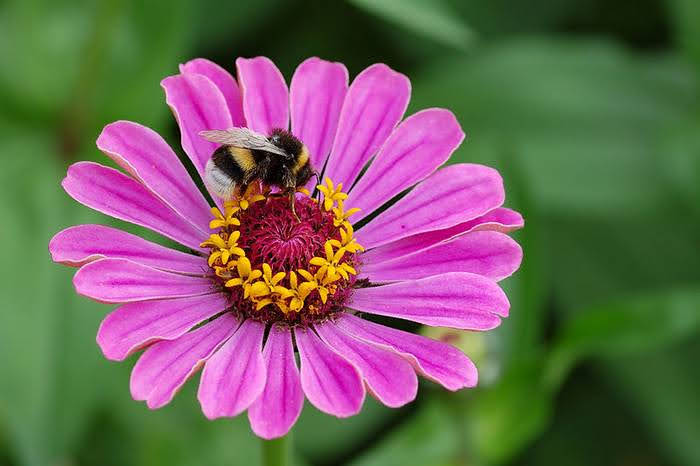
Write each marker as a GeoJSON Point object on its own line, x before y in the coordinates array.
{"type": "Point", "coordinates": [260, 282]}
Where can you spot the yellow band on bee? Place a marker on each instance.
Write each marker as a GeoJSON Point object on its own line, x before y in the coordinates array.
{"type": "Point", "coordinates": [302, 160]}
{"type": "Point", "coordinates": [243, 157]}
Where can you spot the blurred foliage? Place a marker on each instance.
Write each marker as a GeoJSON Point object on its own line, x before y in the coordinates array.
{"type": "Point", "coordinates": [590, 109]}
{"type": "Point", "coordinates": [432, 19]}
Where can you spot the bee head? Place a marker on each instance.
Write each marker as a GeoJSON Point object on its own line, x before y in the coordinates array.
{"type": "Point", "coordinates": [287, 142]}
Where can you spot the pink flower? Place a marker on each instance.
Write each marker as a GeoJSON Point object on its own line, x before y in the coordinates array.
{"type": "Point", "coordinates": [259, 283]}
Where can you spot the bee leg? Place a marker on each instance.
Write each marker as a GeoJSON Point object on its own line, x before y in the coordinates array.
{"type": "Point", "coordinates": [316, 175]}
{"type": "Point", "coordinates": [291, 205]}
{"type": "Point", "coordinates": [240, 192]}
{"type": "Point", "coordinates": [277, 195]}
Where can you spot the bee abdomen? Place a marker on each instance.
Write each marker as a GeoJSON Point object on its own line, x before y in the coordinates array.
{"type": "Point", "coordinates": [223, 173]}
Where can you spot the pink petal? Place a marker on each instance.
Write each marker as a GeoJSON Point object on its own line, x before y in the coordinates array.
{"type": "Point", "coordinates": [331, 383]}
{"type": "Point", "coordinates": [489, 253]}
{"type": "Point", "coordinates": [80, 244]}
{"type": "Point", "coordinates": [265, 95]}
{"type": "Point", "coordinates": [198, 105]}
{"type": "Point", "coordinates": [147, 157]}
{"type": "Point", "coordinates": [278, 407]}
{"type": "Point", "coordinates": [224, 81]}
{"type": "Point", "coordinates": [375, 103]}
{"type": "Point", "coordinates": [439, 362]}
{"type": "Point", "coordinates": [133, 326]}
{"type": "Point", "coordinates": [316, 96]}
{"type": "Point", "coordinates": [452, 195]}
{"type": "Point", "coordinates": [457, 299]}
{"type": "Point", "coordinates": [499, 219]}
{"type": "Point", "coordinates": [389, 377]}
{"type": "Point", "coordinates": [165, 367]}
{"type": "Point", "coordinates": [113, 193]}
{"type": "Point", "coordinates": [123, 281]}
{"type": "Point", "coordinates": [415, 149]}
{"type": "Point", "coordinates": [235, 376]}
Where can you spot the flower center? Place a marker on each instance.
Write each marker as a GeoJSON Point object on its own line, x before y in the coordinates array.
{"type": "Point", "coordinates": [279, 266]}
{"type": "Point", "coordinates": [271, 234]}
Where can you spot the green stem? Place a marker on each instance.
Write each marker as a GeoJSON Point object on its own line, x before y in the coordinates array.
{"type": "Point", "coordinates": [277, 452]}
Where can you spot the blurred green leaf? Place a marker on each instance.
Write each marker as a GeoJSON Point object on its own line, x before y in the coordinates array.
{"type": "Point", "coordinates": [662, 387]}
{"type": "Point", "coordinates": [528, 289]}
{"type": "Point", "coordinates": [433, 19]}
{"type": "Point", "coordinates": [222, 22]}
{"type": "Point", "coordinates": [122, 80]}
{"type": "Point", "coordinates": [581, 118]}
{"type": "Point", "coordinates": [686, 17]}
{"type": "Point", "coordinates": [593, 128]}
{"type": "Point", "coordinates": [625, 326]}
{"type": "Point", "coordinates": [595, 259]}
{"type": "Point", "coordinates": [88, 63]}
{"type": "Point", "coordinates": [497, 18]}
{"type": "Point", "coordinates": [427, 437]}
{"type": "Point", "coordinates": [341, 437]}
{"type": "Point", "coordinates": [40, 68]}
{"type": "Point", "coordinates": [178, 433]}
{"type": "Point", "coordinates": [592, 424]}
{"type": "Point", "coordinates": [503, 418]}
{"type": "Point", "coordinates": [681, 146]}
{"type": "Point", "coordinates": [47, 344]}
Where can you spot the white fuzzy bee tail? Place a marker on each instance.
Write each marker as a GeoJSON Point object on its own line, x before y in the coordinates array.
{"type": "Point", "coordinates": [218, 182]}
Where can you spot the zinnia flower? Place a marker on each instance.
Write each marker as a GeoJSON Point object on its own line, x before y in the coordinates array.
{"type": "Point", "coordinates": [253, 284]}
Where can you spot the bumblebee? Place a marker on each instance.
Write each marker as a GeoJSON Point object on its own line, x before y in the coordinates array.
{"type": "Point", "coordinates": [245, 156]}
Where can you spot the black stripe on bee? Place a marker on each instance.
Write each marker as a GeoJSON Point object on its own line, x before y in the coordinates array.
{"type": "Point", "coordinates": [224, 161]}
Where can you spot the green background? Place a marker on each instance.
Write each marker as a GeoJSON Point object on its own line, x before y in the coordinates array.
{"type": "Point", "coordinates": [590, 109]}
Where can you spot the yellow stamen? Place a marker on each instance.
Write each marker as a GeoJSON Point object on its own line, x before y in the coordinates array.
{"type": "Point", "coordinates": [347, 241]}
{"type": "Point", "coordinates": [315, 282]}
{"type": "Point", "coordinates": [341, 216]}
{"type": "Point", "coordinates": [300, 291]}
{"type": "Point", "coordinates": [331, 194]}
{"type": "Point", "coordinates": [246, 276]}
{"type": "Point", "coordinates": [223, 221]}
{"type": "Point", "coordinates": [226, 249]}
{"type": "Point", "coordinates": [252, 195]}
{"type": "Point", "coordinates": [269, 288]}
{"type": "Point", "coordinates": [225, 271]}
{"type": "Point", "coordinates": [330, 267]}
{"type": "Point", "coordinates": [262, 303]}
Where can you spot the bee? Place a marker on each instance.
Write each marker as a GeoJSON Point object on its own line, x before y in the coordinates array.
{"type": "Point", "coordinates": [245, 156]}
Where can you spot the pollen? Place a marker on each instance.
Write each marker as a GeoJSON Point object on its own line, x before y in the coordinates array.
{"type": "Point", "coordinates": [280, 268]}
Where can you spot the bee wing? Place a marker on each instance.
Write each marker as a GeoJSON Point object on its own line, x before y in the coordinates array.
{"type": "Point", "coordinates": [242, 137]}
